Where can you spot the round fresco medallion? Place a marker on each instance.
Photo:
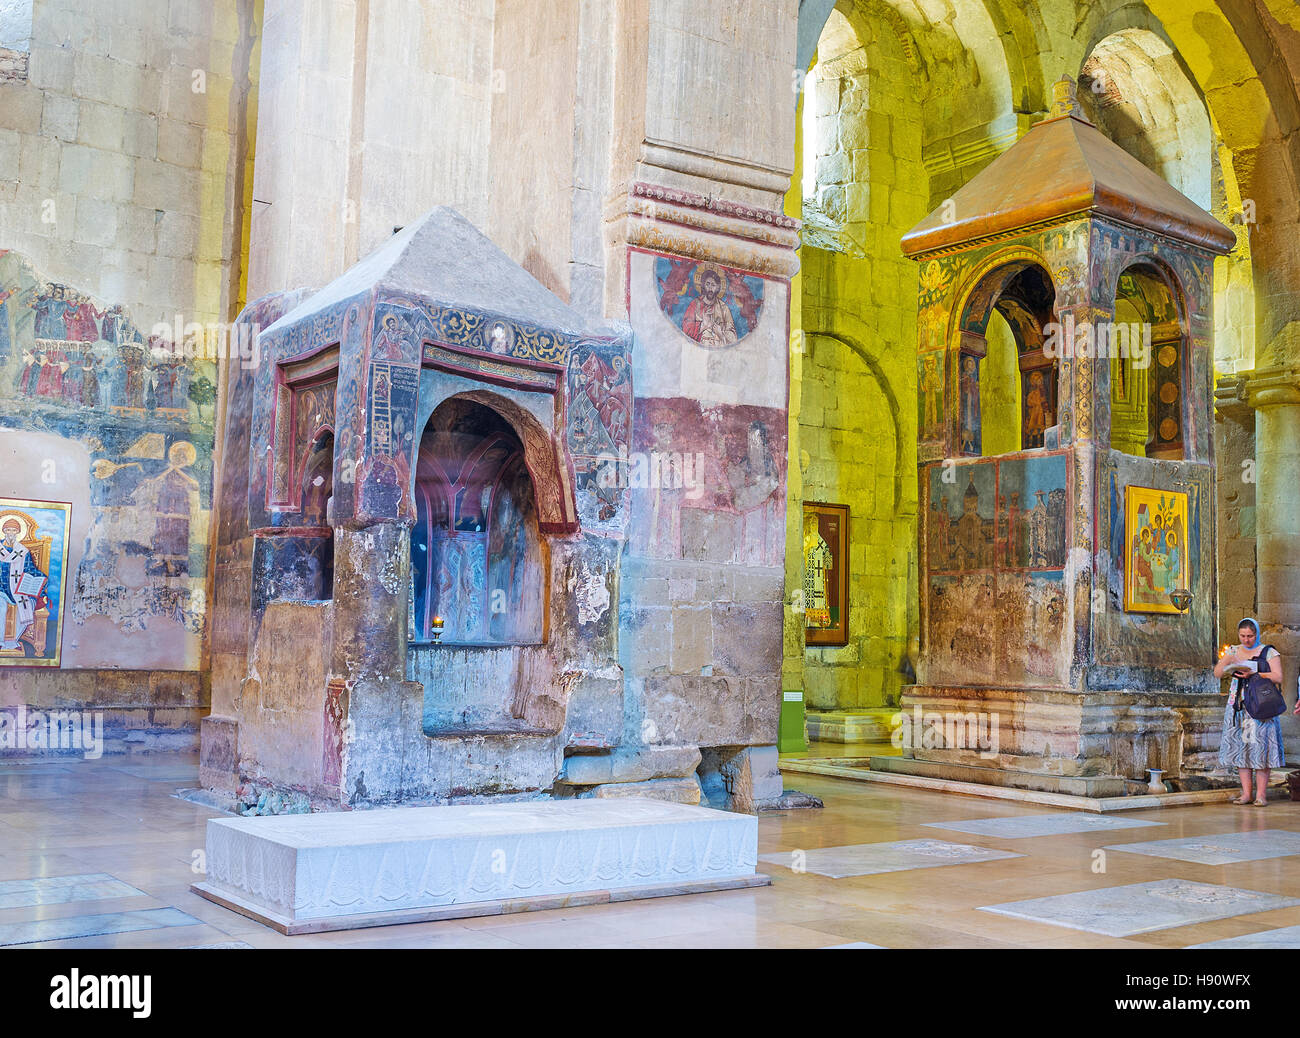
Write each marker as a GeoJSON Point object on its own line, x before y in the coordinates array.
{"type": "Point", "coordinates": [1168, 429]}
{"type": "Point", "coordinates": [498, 337]}
{"type": "Point", "coordinates": [1167, 356]}
{"type": "Point", "coordinates": [1168, 393]}
{"type": "Point", "coordinates": [710, 304]}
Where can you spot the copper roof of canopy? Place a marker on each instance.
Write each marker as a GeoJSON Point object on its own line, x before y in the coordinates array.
{"type": "Point", "coordinates": [1064, 166]}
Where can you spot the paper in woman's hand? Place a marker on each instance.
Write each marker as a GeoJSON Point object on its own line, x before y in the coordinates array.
{"type": "Point", "coordinates": [1245, 667]}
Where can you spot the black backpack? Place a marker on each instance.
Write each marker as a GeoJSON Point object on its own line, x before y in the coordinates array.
{"type": "Point", "coordinates": [1259, 695]}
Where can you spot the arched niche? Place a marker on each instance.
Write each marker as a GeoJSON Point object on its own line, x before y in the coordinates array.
{"type": "Point", "coordinates": [477, 557]}
{"type": "Point", "coordinates": [1021, 294]}
{"type": "Point", "coordinates": [1149, 363]}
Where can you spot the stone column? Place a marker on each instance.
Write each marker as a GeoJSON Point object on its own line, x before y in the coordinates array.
{"type": "Point", "coordinates": [1275, 396]}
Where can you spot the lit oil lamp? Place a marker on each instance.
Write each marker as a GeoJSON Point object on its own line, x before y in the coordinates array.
{"type": "Point", "coordinates": [437, 630]}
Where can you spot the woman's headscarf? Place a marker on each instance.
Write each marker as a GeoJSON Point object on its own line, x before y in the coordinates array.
{"type": "Point", "coordinates": [1252, 623]}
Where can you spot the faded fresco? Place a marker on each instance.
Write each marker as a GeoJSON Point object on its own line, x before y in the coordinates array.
{"type": "Point", "coordinates": [712, 477]}
{"type": "Point", "coordinates": [996, 535]}
{"type": "Point", "coordinates": [81, 370]}
{"type": "Point", "coordinates": [711, 304]}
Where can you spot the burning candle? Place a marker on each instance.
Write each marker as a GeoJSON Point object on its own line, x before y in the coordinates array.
{"type": "Point", "coordinates": [437, 629]}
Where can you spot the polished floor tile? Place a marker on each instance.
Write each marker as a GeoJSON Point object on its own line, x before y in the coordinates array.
{"type": "Point", "coordinates": [67, 927]}
{"type": "Point", "coordinates": [1025, 826]}
{"type": "Point", "coordinates": [120, 818]}
{"type": "Point", "coordinates": [57, 890]}
{"type": "Point", "coordinates": [1220, 848]}
{"type": "Point", "coordinates": [1140, 907]}
{"type": "Point", "coordinates": [866, 859]}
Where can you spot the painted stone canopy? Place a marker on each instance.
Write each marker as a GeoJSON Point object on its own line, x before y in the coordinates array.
{"type": "Point", "coordinates": [439, 300]}
{"type": "Point", "coordinates": [1064, 166]}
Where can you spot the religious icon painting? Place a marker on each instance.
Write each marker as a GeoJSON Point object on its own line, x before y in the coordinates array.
{"type": "Point", "coordinates": [33, 575]}
{"type": "Point", "coordinates": [712, 305]}
{"type": "Point", "coordinates": [1155, 549]}
{"type": "Point", "coordinates": [826, 574]}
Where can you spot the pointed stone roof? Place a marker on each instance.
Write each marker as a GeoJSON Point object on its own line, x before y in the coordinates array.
{"type": "Point", "coordinates": [445, 260]}
{"type": "Point", "coordinates": [1064, 166]}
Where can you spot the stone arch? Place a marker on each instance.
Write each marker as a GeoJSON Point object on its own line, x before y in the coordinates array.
{"type": "Point", "coordinates": [1017, 283]}
{"type": "Point", "coordinates": [546, 459]}
{"type": "Point", "coordinates": [891, 398]}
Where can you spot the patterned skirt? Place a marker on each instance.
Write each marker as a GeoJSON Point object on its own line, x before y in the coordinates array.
{"type": "Point", "coordinates": [1248, 743]}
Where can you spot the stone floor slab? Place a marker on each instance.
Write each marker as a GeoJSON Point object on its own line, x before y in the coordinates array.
{"type": "Point", "coordinates": [1142, 907]}
{"type": "Point", "coordinates": [869, 859]}
{"type": "Point", "coordinates": [1285, 937]}
{"type": "Point", "coordinates": [1220, 849]}
{"type": "Point", "coordinates": [68, 927]}
{"type": "Point", "coordinates": [1040, 825]}
{"type": "Point", "coordinates": [60, 890]}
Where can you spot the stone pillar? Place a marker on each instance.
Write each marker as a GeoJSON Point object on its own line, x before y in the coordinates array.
{"type": "Point", "coordinates": [1275, 396]}
{"type": "Point", "coordinates": [372, 566]}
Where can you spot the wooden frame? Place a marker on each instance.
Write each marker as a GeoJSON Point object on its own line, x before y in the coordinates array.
{"type": "Point", "coordinates": [826, 573]}
{"type": "Point", "coordinates": [1155, 527]}
{"type": "Point", "coordinates": [45, 530]}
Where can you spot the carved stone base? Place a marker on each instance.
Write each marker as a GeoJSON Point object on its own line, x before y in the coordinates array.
{"type": "Point", "coordinates": [1064, 733]}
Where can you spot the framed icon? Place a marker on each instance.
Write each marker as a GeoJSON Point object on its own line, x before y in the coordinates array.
{"type": "Point", "coordinates": [826, 573]}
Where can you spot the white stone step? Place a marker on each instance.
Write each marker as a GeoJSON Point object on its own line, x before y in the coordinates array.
{"type": "Point", "coordinates": [348, 869]}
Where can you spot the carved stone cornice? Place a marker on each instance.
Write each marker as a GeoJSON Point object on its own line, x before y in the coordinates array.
{"type": "Point", "coordinates": [682, 223]}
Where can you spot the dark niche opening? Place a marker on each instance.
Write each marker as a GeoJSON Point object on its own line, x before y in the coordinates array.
{"type": "Point", "coordinates": [477, 559]}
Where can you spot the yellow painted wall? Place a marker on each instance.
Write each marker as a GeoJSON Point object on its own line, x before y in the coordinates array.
{"type": "Point", "coordinates": [853, 370]}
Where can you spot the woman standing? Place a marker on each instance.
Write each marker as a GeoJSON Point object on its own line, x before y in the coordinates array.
{"type": "Point", "coordinates": [1247, 744]}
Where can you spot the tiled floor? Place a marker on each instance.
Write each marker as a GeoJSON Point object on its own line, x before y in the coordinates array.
{"type": "Point", "coordinates": [100, 854]}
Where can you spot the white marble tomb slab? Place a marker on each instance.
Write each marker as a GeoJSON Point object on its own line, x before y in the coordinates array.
{"type": "Point", "coordinates": [1025, 826]}
{"type": "Point", "coordinates": [348, 869]}
{"type": "Point", "coordinates": [869, 859]}
{"type": "Point", "coordinates": [1220, 848]}
{"type": "Point", "coordinates": [1142, 907]}
{"type": "Point", "coordinates": [1285, 937]}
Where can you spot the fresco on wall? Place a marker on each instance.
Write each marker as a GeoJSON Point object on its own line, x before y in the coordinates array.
{"type": "Point", "coordinates": [969, 394]}
{"type": "Point", "coordinates": [600, 426]}
{"type": "Point", "coordinates": [1032, 517]}
{"type": "Point", "coordinates": [394, 393]}
{"type": "Point", "coordinates": [77, 368]}
{"type": "Point", "coordinates": [33, 567]}
{"type": "Point", "coordinates": [1038, 406]}
{"type": "Point", "coordinates": [997, 535]}
{"type": "Point", "coordinates": [713, 305]}
{"type": "Point", "coordinates": [961, 526]}
{"type": "Point", "coordinates": [930, 398]}
{"type": "Point", "coordinates": [715, 479]}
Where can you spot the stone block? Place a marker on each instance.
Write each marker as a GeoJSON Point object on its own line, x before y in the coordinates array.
{"type": "Point", "coordinates": [752, 776]}
{"type": "Point", "coordinates": [59, 118]}
{"type": "Point", "coordinates": [746, 637]}
{"type": "Point", "coordinates": [219, 753]}
{"type": "Point", "coordinates": [672, 790]}
{"type": "Point", "coordinates": [21, 108]}
{"type": "Point", "coordinates": [634, 764]}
